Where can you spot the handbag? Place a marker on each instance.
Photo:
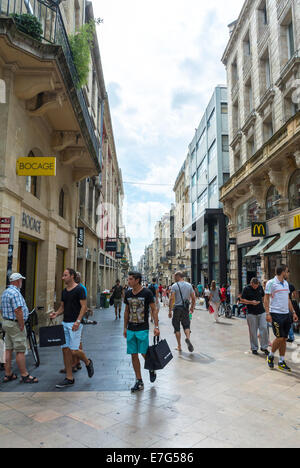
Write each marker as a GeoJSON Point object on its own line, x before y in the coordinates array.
{"type": "Point", "coordinates": [52, 336]}
{"type": "Point", "coordinates": [211, 309]}
{"type": "Point", "coordinates": [158, 356]}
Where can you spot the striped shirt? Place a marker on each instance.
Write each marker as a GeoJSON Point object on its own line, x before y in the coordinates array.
{"type": "Point", "coordinates": [279, 292]}
{"type": "Point", "coordinates": [11, 300]}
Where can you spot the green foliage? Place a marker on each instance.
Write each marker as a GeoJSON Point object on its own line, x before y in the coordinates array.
{"type": "Point", "coordinates": [29, 24]}
{"type": "Point", "coordinates": [81, 43]}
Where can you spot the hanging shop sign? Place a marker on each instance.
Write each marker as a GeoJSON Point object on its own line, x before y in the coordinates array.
{"type": "Point", "coordinates": [111, 246]}
{"type": "Point", "coordinates": [259, 229]}
{"type": "Point", "coordinates": [36, 167]}
{"type": "Point", "coordinates": [80, 237]}
{"type": "Point", "coordinates": [4, 220]}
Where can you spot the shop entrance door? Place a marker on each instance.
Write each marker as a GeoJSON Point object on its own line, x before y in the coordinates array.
{"type": "Point", "coordinates": [60, 268]}
{"type": "Point", "coordinates": [27, 257]}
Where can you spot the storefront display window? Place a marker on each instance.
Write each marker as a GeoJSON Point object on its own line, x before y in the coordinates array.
{"type": "Point", "coordinates": [272, 197]}
{"type": "Point", "coordinates": [294, 191]}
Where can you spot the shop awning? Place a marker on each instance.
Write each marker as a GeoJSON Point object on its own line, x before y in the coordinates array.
{"type": "Point", "coordinates": [283, 242]}
{"type": "Point", "coordinates": [296, 248]}
{"type": "Point", "coordinates": [260, 246]}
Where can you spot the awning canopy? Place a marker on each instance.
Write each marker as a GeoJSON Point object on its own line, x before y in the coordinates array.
{"type": "Point", "coordinates": [283, 242]}
{"type": "Point", "coordinates": [260, 246]}
{"type": "Point", "coordinates": [296, 248]}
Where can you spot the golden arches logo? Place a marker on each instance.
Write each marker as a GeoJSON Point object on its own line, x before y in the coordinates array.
{"type": "Point", "coordinates": [259, 230]}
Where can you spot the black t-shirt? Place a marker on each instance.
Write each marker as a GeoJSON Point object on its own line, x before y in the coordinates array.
{"type": "Point", "coordinates": [251, 294]}
{"type": "Point", "coordinates": [117, 292]}
{"type": "Point", "coordinates": [139, 309]}
{"type": "Point", "coordinates": [72, 306]}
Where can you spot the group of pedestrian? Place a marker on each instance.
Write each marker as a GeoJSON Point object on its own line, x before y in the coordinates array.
{"type": "Point", "coordinates": [73, 308]}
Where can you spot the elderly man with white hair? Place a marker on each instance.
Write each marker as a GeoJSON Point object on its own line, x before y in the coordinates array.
{"type": "Point", "coordinates": [15, 313]}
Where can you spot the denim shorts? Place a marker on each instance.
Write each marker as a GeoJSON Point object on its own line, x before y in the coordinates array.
{"type": "Point", "coordinates": [73, 339]}
{"type": "Point", "coordinates": [137, 342]}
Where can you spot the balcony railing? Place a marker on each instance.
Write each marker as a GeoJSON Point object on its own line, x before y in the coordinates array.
{"type": "Point", "coordinates": [54, 32]}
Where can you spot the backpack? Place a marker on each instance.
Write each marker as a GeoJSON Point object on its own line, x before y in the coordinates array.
{"type": "Point", "coordinates": [153, 290]}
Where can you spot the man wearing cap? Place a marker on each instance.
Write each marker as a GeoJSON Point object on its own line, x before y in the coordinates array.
{"type": "Point", "coordinates": [15, 313]}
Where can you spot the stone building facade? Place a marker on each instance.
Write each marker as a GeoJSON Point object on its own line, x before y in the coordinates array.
{"type": "Point", "coordinates": [262, 62]}
{"type": "Point", "coordinates": [43, 113]}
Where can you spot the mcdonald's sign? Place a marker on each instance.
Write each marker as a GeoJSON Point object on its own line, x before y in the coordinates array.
{"type": "Point", "coordinates": [259, 229]}
{"type": "Point", "coordinates": [297, 222]}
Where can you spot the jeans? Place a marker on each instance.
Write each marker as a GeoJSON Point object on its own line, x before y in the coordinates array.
{"type": "Point", "coordinates": [258, 323]}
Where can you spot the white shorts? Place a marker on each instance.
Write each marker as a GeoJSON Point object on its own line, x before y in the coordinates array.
{"type": "Point", "coordinates": [73, 339]}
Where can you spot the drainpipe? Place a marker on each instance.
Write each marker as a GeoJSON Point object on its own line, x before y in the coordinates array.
{"type": "Point", "coordinates": [28, 7]}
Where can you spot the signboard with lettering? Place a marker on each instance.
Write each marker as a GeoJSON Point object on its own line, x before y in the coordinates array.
{"type": "Point", "coordinates": [36, 167]}
{"type": "Point", "coordinates": [80, 237]}
{"type": "Point", "coordinates": [4, 240]}
{"type": "Point", "coordinates": [31, 223]}
{"type": "Point", "coordinates": [4, 230]}
{"type": "Point", "coordinates": [232, 241]}
{"type": "Point", "coordinates": [259, 229]}
{"type": "Point", "coordinates": [4, 220]}
{"type": "Point", "coordinates": [119, 255]}
{"type": "Point", "coordinates": [111, 246]}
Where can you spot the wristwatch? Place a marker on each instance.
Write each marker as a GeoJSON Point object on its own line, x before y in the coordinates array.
{"type": "Point", "coordinates": [78, 321]}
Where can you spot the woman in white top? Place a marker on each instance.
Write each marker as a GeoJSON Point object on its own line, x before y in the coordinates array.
{"type": "Point", "coordinates": [214, 300]}
{"type": "Point", "coordinates": [206, 296]}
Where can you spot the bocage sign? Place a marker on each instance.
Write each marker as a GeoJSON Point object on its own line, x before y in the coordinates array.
{"type": "Point", "coordinates": [36, 167]}
{"type": "Point", "coordinates": [259, 229]}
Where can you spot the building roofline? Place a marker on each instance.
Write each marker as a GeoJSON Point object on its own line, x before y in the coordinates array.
{"type": "Point", "coordinates": [236, 29]}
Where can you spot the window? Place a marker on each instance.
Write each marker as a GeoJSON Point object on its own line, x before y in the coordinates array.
{"type": "Point", "coordinates": [202, 202]}
{"type": "Point", "coordinates": [2, 92]}
{"type": "Point", "coordinates": [248, 98]}
{"type": "Point", "coordinates": [272, 197]}
{"type": "Point", "coordinates": [235, 117]}
{"type": "Point", "coordinates": [61, 204]}
{"type": "Point", "coordinates": [211, 119]}
{"type": "Point", "coordinates": [250, 147]}
{"type": "Point", "coordinates": [194, 180]}
{"type": "Point", "coordinates": [201, 169]}
{"type": "Point", "coordinates": [247, 46]}
{"type": "Point", "coordinates": [291, 42]}
{"type": "Point", "coordinates": [294, 191]}
{"type": "Point", "coordinates": [224, 108]}
{"type": "Point", "coordinates": [268, 130]}
{"type": "Point", "coordinates": [246, 214]}
{"type": "Point", "coordinates": [212, 153]}
{"type": "Point", "coordinates": [31, 181]}
{"type": "Point", "coordinates": [213, 188]}
{"type": "Point", "coordinates": [225, 143]}
{"type": "Point", "coordinates": [226, 177]}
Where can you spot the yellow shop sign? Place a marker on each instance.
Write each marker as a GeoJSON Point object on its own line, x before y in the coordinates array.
{"type": "Point", "coordinates": [36, 167]}
{"type": "Point", "coordinates": [297, 222]}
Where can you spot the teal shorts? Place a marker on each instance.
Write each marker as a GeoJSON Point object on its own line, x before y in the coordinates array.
{"type": "Point", "coordinates": [137, 342]}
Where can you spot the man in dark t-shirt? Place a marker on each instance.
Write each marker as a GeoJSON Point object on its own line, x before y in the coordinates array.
{"type": "Point", "coordinates": [73, 308]}
{"type": "Point", "coordinates": [139, 301]}
{"type": "Point", "coordinates": [252, 296]}
{"type": "Point", "coordinates": [117, 291]}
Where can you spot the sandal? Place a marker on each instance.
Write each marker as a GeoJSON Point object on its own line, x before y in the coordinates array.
{"type": "Point", "coordinates": [28, 380]}
{"type": "Point", "coordinates": [10, 378]}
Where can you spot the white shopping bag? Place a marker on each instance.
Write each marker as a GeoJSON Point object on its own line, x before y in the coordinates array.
{"type": "Point", "coordinates": [2, 352]}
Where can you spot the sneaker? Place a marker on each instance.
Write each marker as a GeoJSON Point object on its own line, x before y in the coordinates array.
{"type": "Point", "coordinates": [255, 353]}
{"type": "Point", "coordinates": [139, 386]}
{"type": "Point", "coordinates": [290, 341]}
{"type": "Point", "coordinates": [66, 383]}
{"type": "Point", "coordinates": [153, 376]}
{"type": "Point", "coordinates": [90, 369]}
{"type": "Point", "coordinates": [282, 366]}
{"type": "Point", "coordinates": [270, 361]}
{"type": "Point", "coordinates": [266, 351]}
{"type": "Point", "coordinates": [189, 345]}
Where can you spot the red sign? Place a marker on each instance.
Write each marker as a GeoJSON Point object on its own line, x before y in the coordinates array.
{"type": "Point", "coordinates": [4, 230]}
{"type": "Point", "coordinates": [4, 220]}
{"type": "Point", "coordinates": [4, 240]}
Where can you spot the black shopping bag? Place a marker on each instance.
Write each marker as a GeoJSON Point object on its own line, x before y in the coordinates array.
{"type": "Point", "coordinates": [52, 336]}
{"type": "Point", "coordinates": [158, 355]}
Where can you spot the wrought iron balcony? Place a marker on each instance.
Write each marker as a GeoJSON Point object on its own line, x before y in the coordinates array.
{"type": "Point", "coordinates": [54, 32]}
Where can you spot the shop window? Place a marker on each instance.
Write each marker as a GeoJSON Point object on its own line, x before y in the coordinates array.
{"type": "Point", "coordinates": [272, 197]}
{"type": "Point", "coordinates": [294, 191]}
{"type": "Point", "coordinates": [32, 182]}
{"type": "Point", "coordinates": [61, 205]}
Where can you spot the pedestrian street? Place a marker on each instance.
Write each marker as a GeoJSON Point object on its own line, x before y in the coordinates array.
{"type": "Point", "coordinates": [219, 396]}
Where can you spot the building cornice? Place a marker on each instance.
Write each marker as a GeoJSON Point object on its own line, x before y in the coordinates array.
{"type": "Point", "coordinates": [243, 15]}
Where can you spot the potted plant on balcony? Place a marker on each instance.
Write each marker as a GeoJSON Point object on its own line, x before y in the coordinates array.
{"type": "Point", "coordinates": [81, 43]}
{"type": "Point", "coordinates": [29, 24]}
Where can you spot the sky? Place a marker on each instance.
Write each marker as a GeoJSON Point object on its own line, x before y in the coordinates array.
{"type": "Point", "coordinates": [161, 63]}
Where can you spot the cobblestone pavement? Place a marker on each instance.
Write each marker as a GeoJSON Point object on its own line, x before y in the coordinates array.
{"type": "Point", "coordinates": [220, 396]}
